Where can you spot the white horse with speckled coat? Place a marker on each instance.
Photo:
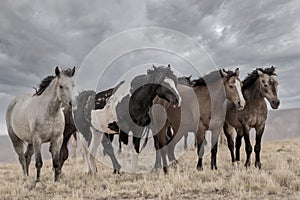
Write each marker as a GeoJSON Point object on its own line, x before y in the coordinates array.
{"type": "Point", "coordinates": [38, 118]}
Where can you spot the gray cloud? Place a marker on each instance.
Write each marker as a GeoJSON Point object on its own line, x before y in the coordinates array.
{"type": "Point", "coordinates": [35, 37]}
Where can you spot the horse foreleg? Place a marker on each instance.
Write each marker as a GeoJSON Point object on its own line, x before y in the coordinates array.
{"type": "Point", "coordinates": [157, 163]}
{"type": "Point", "coordinates": [36, 142]}
{"type": "Point", "coordinates": [96, 139]}
{"type": "Point", "coordinates": [248, 147]}
{"type": "Point", "coordinates": [214, 150]}
{"type": "Point", "coordinates": [185, 141]}
{"type": "Point", "coordinates": [257, 147]}
{"type": "Point", "coordinates": [200, 148]}
{"type": "Point", "coordinates": [238, 144]}
{"type": "Point", "coordinates": [120, 146]}
{"type": "Point", "coordinates": [28, 154]}
{"type": "Point", "coordinates": [228, 131]}
{"type": "Point", "coordinates": [55, 146]}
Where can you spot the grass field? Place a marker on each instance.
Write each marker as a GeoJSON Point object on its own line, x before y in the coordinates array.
{"type": "Point", "coordinates": [279, 179]}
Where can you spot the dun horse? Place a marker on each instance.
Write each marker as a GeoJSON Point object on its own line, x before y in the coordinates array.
{"type": "Point", "coordinates": [203, 108]}
{"type": "Point", "coordinates": [38, 118]}
{"type": "Point", "coordinates": [257, 86]}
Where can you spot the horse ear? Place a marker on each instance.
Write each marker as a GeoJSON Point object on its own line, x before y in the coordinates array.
{"type": "Point", "coordinates": [273, 69]}
{"type": "Point", "coordinates": [57, 71]}
{"type": "Point", "coordinates": [72, 72]}
{"type": "Point", "coordinates": [154, 67]}
{"type": "Point", "coordinates": [237, 71]}
{"type": "Point", "coordinates": [259, 72]}
{"type": "Point", "coordinates": [224, 73]}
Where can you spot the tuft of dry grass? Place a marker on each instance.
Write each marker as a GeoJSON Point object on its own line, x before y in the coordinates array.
{"type": "Point", "coordinates": [278, 179]}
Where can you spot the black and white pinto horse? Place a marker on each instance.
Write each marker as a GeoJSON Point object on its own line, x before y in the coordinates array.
{"type": "Point", "coordinates": [127, 110]}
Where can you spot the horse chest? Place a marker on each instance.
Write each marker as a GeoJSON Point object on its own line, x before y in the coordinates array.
{"type": "Point", "coordinates": [49, 127]}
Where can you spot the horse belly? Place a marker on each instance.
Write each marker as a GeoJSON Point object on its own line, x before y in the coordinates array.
{"type": "Point", "coordinates": [101, 119]}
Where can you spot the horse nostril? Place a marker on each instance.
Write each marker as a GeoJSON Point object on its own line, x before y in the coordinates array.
{"type": "Point", "coordinates": [239, 103]}
{"type": "Point", "coordinates": [70, 103]}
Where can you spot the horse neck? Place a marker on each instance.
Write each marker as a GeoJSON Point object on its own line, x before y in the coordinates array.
{"type": "Point", "coordinates": [50, 99]}
{"type": "Point", "coordinates": [252, 93]}
{"type": "Point", "coordinates": [143, 104]}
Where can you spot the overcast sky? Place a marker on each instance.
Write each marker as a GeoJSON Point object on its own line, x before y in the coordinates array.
{"type": "Point", "coordinates": [36, 36]}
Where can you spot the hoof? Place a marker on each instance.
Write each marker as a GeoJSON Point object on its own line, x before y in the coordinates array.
{"type": "Point", "coordinates": [116, 171]}
{"type": "Point", "coordinates": [165, 170]}
{"type": "Point", "coordinates": [154, 169]}
{"type": "Point", "coordinates": [200, 168]}
{"type": "Point", "coordinates": [236, 164]}
{"type": "Point", "coordinates": [258, 165]}
{"type": "Point", "coordinates": [247, 165]}
{"type": "Point", "coordinates": [174, 164]}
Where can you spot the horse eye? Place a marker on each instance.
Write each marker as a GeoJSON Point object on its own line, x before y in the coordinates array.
{"type": "Point", "coordinates": [265, 85]}
{"type": "Point", "coordinates": [61, 87]}
{"type": "Point", "coordinates": [231, 86]}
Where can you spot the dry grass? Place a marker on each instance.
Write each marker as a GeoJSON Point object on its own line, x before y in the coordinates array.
{"type": "Point", "coordinates": [279, 179]}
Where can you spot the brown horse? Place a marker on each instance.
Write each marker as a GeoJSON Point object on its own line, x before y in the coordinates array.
{"type": "Point", "coordinates": [257, 86]}
{"type": "Point", "coordinates": [203, 108]}
{"type": "Point", "coordinates": [69, 130]}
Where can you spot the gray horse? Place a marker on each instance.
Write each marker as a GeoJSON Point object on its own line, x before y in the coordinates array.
{"type": "Point", "coordinates": [38, 118]}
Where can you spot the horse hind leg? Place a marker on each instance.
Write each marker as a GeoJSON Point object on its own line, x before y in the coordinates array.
{"type": "Point", "coordinates": [108, 149]}
{"type": "Point", "coordinates": [74, 145]}
{"type": "Point", "coordinates": [229, 131]}
{"type": "Point", "coordinates": [36, 142]}
{"type": "Point", "coordinates": [18, 145]}
{"type": "Point", "coordinates": [200, 148]}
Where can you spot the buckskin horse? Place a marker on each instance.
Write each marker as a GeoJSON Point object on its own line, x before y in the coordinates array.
{"type": "Point", "coordinates": [258, 85]}
{"type": "Point", "coordinates": [203, 108]}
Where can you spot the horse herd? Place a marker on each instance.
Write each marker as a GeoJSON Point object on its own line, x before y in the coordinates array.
{"type": "Point", "coordinates": [156, 102]}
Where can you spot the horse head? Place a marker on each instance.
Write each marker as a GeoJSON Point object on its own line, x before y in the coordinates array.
{"type": "Point", "coordinates": [166, 84]}
{"type": "Point", "coordinates": [233, 88]}
{"type": "Point", "coordinates": [268, 85]}
{"type": "Point", "coordinates": [65, 85]}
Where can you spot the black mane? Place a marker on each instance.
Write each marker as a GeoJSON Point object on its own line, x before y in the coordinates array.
{"type": "Point", "coordinates": [43, 85]}
{"type": "Point", "coordinates": [212, 77]}
{"type": "Point", "coordinates": [151, 77]}
{"type": "Point", "coordinates": [253, 76]}
{"type": "Point", "coordinates": [185, 80]}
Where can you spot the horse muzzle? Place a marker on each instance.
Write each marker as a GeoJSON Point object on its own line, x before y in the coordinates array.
{"type": "Point", "coordinates": [275, 104]}
{"type": "Point", "coordinates": [240, 105]}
